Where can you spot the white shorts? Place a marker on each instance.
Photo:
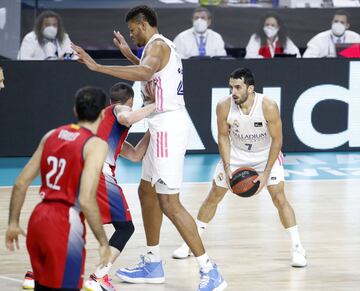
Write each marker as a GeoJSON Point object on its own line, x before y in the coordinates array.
{"type": "Point", "coordinates": [276, 174]}
{"type": "Point", "coordinates": [164, 158]}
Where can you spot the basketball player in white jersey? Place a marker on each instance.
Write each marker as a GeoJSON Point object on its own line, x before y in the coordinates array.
{"type": "Point", "coordinates": [249, 135]}
{"type": "Point", "coordinates": [162, 170]}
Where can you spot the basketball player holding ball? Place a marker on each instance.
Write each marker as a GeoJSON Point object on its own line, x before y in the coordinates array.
{"type": "Point", "coordinates": [249, 135]}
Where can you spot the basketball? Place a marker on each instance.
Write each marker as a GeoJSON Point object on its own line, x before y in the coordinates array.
{"type": "Point", "coordinates": [242, 182]}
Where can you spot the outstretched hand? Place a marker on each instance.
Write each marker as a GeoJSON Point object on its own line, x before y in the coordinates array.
{"type": "Point", "coordinates": [84, 57]}
{"type": "Point", "coordinates": [121, 44]}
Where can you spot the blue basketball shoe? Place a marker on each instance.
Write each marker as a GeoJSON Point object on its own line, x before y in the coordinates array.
{"type": "Point", "coordinates": [212, 280]}
{"type": "Point", "coordinates": [145, 272]}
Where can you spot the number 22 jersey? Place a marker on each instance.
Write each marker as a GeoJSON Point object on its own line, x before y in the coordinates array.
{"type": "Point", "coordinates": [62, 163]}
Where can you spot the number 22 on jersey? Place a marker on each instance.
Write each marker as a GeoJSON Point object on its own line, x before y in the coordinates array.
{"type": "Point", "coordinates": [56, 171]}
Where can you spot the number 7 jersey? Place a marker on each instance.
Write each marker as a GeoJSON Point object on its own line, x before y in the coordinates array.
{"type": "Point", "coordinates": [62, 163]}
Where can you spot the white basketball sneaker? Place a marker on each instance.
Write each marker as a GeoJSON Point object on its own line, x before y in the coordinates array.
{"type": "Point", "coordinates": [28, 283]}
{"type": "Point", "coordinates": [298, 258]}
{"type": "Point", "coordinates": [182, 252]}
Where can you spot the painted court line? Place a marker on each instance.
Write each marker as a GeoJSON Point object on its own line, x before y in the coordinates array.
{"type": "Point", "coordinates": [10, 279]}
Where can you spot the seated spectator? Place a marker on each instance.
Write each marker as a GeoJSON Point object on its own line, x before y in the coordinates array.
{"type": "Point", "coordinates": [200, 41]}
{"type": "Point", "coordinates": [271, 39]}
{"type": "Point", "coordinates": [322, 45]}
{"type": "Point", "coordinates": [48, 40]}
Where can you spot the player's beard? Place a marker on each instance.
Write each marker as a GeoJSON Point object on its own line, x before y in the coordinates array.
{"type": "Point", "coordinates": [241, 99]}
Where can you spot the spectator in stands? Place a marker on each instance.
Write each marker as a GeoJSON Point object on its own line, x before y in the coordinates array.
{"type": "Point", "coordinates": [270, 39]}
{"type": "Point", "coordinates": [322, 45]}
{"type": "Point", "coordinates": [200, 41]}
{"type": "Point", "coordinates": [48, 40]}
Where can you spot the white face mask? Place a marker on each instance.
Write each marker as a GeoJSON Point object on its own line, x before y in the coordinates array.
{"type": "Point", "coordinates": [270, 31]}
{"type": "Point", "coordinates": [200, 25]}
{"type": "Point", "coordinates": [50, 32]}
{"type": "Point", "coordinates": [338, 28]}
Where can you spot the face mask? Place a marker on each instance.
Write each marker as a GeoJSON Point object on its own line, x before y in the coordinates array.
{"type": "Point", "coordinates": [270, 31]}
{"type": "Point", "coordinates": [338, 28]}
{"type": "Point", "coordinates": [50, 32]}
{"type": "Point", "coordinates": [200, 25]}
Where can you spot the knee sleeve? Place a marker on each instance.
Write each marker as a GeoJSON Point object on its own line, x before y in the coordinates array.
{"type": "Point", "coordinates": [122, 234]}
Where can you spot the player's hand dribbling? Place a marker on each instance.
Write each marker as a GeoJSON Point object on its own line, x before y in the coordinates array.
{"type": "Point", "coordinates": [84, 57]}
{"type": "Point", "coordinates": [262, 178]}
{"type": "Point", "coordinates": [105, 253]}
{"type": "Point", "coordinates": [121, 44]}
{"type": "Point", "coordinates": [12, 237]}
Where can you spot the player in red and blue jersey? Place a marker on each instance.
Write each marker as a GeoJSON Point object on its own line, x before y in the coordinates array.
{"type": "Point", "coordinates": [69, 160]}
{"type": "Point", "coordinates": [113, 207]}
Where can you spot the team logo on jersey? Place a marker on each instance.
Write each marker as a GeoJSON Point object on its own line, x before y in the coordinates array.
{"type": "Point", "coordinates": [258, 124]}
{"type": "Point", "coordinates": [236, 123]}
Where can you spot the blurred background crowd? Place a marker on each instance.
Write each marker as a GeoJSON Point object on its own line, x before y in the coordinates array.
{"type": "Point", "coordinates": [44, 29]}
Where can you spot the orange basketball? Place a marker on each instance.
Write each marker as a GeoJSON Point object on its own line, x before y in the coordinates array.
{"type": "Point", "coordinates": [242, 182]}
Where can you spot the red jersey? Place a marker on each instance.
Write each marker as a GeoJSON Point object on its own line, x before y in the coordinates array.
{"type": "Point", "coordinates": [114, 133]}
{"type": "Point", "coordinates": [62, 163]}
{"type": "Point", "coordinates": [264, 50]}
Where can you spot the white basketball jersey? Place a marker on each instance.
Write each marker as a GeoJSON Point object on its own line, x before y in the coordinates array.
{"type": "Point", "coordinates": [250, 139]}
{"type": "Point", "coordinates": [169, 94]}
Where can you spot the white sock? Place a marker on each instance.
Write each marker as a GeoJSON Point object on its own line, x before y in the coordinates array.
{"type": "Point", "coordinates": [153, 252]}
{"type": "Point", "coordinates": [201, 226]}
{"type": "Point", "coordinates": [295, 238]}
{"type": "Point", "coordinates": [102, 271]}
{"type": "Point", "coordinates": [204, 262]}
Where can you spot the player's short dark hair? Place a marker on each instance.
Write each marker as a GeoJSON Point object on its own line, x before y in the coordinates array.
{"type": "Point", "coordinates": [89, 101]}
{"type": "Point", "coordinates": [121, 92]}
{"type": "Point", "coordinates": [142, 13]}
{"type": "Point", "coordinates": [244, 73]}
{"type": "Point", "coordinates": [344, 13]}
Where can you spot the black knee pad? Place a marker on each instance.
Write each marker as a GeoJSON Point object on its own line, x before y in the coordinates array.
{"type": "Point", "coordinates": [122, 234]}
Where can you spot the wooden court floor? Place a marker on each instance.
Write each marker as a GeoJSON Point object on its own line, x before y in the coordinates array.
{"type": "Point", "coordinates": [245, 239]}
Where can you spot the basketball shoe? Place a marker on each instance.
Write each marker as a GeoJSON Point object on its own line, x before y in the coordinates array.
{"type": "Point", "coordinates": [298, 257]}
{"type": "Point", "coordinates": [211, 280]}
{"type": "Point", "coordinates": [99, 284]}
{"type": "Point", "coordinates": [29, 283]}
{"type": "Point", "coordinates": [145, 272]}
{"type": "Point", "coordinates": [182, 252]}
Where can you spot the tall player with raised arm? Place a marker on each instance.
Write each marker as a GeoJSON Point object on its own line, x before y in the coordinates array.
{"type": "Point", "coordinates": [164, 159]}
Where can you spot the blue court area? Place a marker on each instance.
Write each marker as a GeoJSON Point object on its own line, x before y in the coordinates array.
{"type": "Point", "coordinates": [200, 167]}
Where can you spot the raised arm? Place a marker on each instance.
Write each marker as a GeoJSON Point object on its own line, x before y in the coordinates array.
{"type": "Point", "coordinates": [143, 72]}
{"type": "Point", "coordinates": [123, 46]}
{"type": "Point", "coordinates": [23, 181]}
{"type": "Point", "coordinates": [95, 151]}
{"type": "Point", "coordinates": [222, 111]}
